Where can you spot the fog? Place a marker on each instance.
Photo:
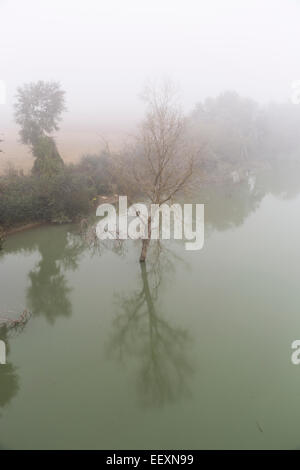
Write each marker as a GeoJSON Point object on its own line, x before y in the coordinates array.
{"type": "Point", "coordinates": [103, 53]}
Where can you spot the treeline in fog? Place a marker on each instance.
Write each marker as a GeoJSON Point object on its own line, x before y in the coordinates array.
{"type": "Point", "coordinates": [237, 135]}
{"type": "Point", "coordinates": [223, 139]}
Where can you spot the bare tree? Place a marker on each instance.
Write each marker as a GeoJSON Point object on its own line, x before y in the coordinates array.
{"type": "Point", "coordinates": [162, 162]}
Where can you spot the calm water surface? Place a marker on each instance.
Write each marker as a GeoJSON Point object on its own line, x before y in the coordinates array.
{"type": "Point", "coordinates": [192, 351]}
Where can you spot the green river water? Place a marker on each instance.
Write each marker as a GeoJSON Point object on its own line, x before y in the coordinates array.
{"type": "Point", "coordinates": [191, 351]}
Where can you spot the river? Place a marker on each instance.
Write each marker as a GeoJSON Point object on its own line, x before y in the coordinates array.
{"type": "Point", "coordinates": [190, 351]}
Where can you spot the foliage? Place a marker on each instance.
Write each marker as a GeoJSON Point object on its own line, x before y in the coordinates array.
{"type": "Point", "coordinates": [48, 162]}
{"type": "Point", "coordinates": [98, 172]}
{"type": "Point", "coordinates": [2, 238]}
{"type": "Point", "coordinates": [38, 110]}
{"type": "Point", "coordinates": [50, 196]}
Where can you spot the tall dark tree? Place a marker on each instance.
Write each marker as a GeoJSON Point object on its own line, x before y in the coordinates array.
{"type": "Point", "coordinates": [38, 111]}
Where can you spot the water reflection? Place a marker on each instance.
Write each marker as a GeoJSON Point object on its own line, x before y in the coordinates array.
{"type": "Point", "coordinates": [48, 292]}
{"type": "Point", "coordinates": [282, 182]}
{"type": "Point", "coordinates": [141, 331]}
{"type": "Point", "coordinates": [229, 205]}
{"type": "Point", "coordinates": [9, 380]}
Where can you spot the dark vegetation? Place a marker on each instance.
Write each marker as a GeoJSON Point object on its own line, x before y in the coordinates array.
{"type": "Point", "coordinates": [63, 197]}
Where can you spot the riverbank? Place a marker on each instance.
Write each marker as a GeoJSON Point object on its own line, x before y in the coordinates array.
{"type": "Point", "coordinates": [23, 227]}
{"type": "Point", "coordinates": [20, 228]}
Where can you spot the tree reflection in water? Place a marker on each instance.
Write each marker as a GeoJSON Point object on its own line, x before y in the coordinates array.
{"type": "Point", "coordinates": [9, 380]}
{"type": "Point", "coordinates": [59, 250]}
{"type": "Point", "coordinates": [48, 292]}
{"type": "Point", "coordinates": [140, 330]}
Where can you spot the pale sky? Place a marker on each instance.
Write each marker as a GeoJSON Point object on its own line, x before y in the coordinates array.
{"type": "Point", "coordinates": [103, 52]}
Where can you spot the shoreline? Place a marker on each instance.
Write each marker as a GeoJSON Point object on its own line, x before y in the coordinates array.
{"type": "Point", "coordinates": [22, 228]}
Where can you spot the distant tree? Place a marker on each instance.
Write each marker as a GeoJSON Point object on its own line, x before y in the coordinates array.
{"type": "Point", "coordinates": [38, 111]}
{"type": "Point", "coordinates": [229, 127]}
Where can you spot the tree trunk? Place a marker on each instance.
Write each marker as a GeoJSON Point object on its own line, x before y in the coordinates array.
{"type": "Point", "coordinates": [144, 251]}
{"type": "Point", "coordinates": [145, 243]}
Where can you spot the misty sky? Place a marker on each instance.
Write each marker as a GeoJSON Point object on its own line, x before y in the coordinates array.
{"type": "Point", "coordinates": [103, 52]}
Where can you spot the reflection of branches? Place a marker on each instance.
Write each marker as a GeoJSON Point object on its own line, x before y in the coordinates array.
{"type": "Point", "coordinates": [9, 380]}
{"type": "Point", "coordinates": [9, 383]}
{"type": "Point", "coordinates": [162, 260]}
{"type": "Point", "coordinates": [97, 246]}
{"type": "Point", "coordinates": [141, 331]}
{"type": "Point", "coordinates": [13, 326]}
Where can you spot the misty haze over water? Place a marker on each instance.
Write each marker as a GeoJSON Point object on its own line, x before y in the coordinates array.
{"type": "Point", "coordinates": [104, 52]}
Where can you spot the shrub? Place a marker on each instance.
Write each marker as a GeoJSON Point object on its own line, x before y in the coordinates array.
{"type": "Point", "coordinates": [57, 196]}
{"type": "Point", "coordinates": [28, 198]}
